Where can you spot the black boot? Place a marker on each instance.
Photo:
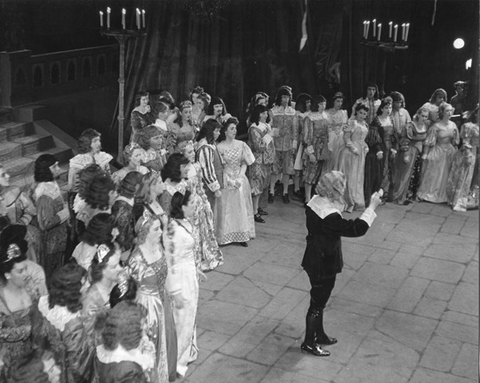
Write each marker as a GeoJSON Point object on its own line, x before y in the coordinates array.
{"type": "Point", "coordinates": [309, 344]}
{"type": "Point", "coordinates": [320, 337]}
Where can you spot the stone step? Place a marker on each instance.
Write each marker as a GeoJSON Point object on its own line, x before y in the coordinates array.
{"type": "Point", "coordinates": [63, 154]}
{"type": "Point", "coordinates": [9, 151]}
{"type": "Point", "coordinates": [34, 143]}
{"type": "Point", "coordinates": [30, 113]}
{"type": "Point", "coordinates": [13, 129]}
{"type": "Point", "coordinates": [19, 167]}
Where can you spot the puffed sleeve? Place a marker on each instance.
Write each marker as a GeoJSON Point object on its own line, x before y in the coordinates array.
{"type": "Point", "coordinates": [431, 139]}
{"type": "Point", "coordinates": [248, 156]}
{"type": "Point", "coordinates": [79, 351]}
{"type": "Point", "coordinates": [165, 202]}
{"type": "Point", "coordinates": [136, 267]}
{"type": "Point", "coordinates": [47, 218]}
{"type": "Point", "coordinates": [205, 158]}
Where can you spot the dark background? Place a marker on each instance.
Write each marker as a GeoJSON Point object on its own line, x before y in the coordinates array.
{"type": "Point", "coordinates": [234, 48]}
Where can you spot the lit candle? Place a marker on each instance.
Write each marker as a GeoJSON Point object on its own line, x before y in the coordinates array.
{"type": "Point", "coordinates": [406, 33]}
{"type": "Point", "coordinates": [124, 15]}
{"type": "Point", "coordinates": [364, 29]}
{"type": "Point", "coordinates": [403, 31]}
{"type": "Point", "coordinates": [379, 31]}
{"type": "Point", "coordinates": [374, 26]}
{"type": "Point", "coordinates": [138, 18]}
{"type": "Point", "coordinates": [390, 26]}
{"type": "Point", "coordinates": [101, 19]}
{"type": "Point", "coordinates": [108, 17]}
{"type": "Point", "coordinates": [395, 32]}
{"type": "Point", "coordinates": [143, 18]}
{"type": "Point", "coordinates": [368, 27]}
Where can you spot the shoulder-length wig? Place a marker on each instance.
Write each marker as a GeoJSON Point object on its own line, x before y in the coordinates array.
{"type": "Point", "coordinates": [97, 192]}
{"type": "Point", "coordinates": [65, 286]}
{"type": "Point", "coordinates": [172, 167]}
{"type": "Point", "coordinates": [216, 101]}
{"type": "Point", "coordinates": [208, 129]}
{"type": "Point", "coordinates": [42, 171]}
{"type": "Point", "coordinates": [85, 140]}
{"type": "Point", "coordinates": [178, 201]}
{"type": "Point", "coordinates": [123, 326]}
{"type": "Point", "coordinates": [99, 230]}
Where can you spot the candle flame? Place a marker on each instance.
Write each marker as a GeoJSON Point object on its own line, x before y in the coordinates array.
{"type": "Point", "coordinates": [108, 9]}
{"type": "Point", "coordinates": [138, 11]}
{"type": "Point", "coordinates": [124, 11]}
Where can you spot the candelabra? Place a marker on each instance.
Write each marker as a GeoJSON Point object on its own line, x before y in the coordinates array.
{"type": "Point", "coordinates": [122, 35]}
{"type": "Point", "coordinates": [390, 44]}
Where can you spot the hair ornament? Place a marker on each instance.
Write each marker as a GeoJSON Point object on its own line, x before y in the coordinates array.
{"type": "Point", "coordinates": [123, 278]}
{"type": "Point", "coordinates": [102, 251]}
{"type": "Point", "coordinates": [13, 252]}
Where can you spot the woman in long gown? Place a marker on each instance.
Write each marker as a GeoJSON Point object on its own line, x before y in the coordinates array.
{"type": "Point", "coordinates": [183, 127]}
{"type": "Point", "coordinates": [234, 211]}
{"type": "Point", "coordinates": [352, 159]}
{"type": "Point", "coordinates": [18, 295]}
{"type": "Point", "coordinates": [260, 140]}
{"type": "Point", "coordinates": [58, 325]}
{"type": "Point", "coordinates": [207, 252]}
{"type": "Point", "coordinates": [382, 147]}
{"type": "Point", "coordinates": [436, 99]}
{"type": "Point", "coordinates": [408, 162]}
{"type": "Point", "coordinates": [338, 118]}
{"type": "Point", "coordinates": [461, 174]}
{"type": "Point", "coordinates": [317, 154]}
{"type": "Point", "coordinates": [148, 266]}
{"type": "Point", "coordinates": [440, 147]}
{"type": "Point", "coordinates": [182, 280]}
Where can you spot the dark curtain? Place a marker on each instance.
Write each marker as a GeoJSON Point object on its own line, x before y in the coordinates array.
{"type": "Point", "coordinates": [232, 48]}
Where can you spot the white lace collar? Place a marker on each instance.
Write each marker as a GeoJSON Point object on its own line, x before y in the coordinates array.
{"type": "Point", "coordinates": [121, 355]}
{"type": "Point", "coordinates": [322, 207]}
{"type": "Point", "coordinates": [58, 316]}
{"type": "Point", "coordinates": [129, 201]}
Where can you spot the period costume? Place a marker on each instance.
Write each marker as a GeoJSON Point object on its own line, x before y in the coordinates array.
{"type": "Point", "coordinates": [261, 143]}
{"type": "Point", "coordinates": [212, 170]}
{"type": "Point", "coordinates": [15, 331]}
{"type": "Point", "coordinates": [138, 121]}
{"type": "Point", "coordinates": [207, 253]}
{"type": "Point", "coordinates": [285, 126]}
{"type": "Point", "coordinates": [16, 208]}
{"type": "Point", "coordinates": [316, 147]}
{"type": "Point", "coordinates": [408, 163]}
{"type": "Point", "coordinates": [459, 185]}
{"type": "Point", "coordinates": [95, 303]}
{"type": "Point", "coordinates": [182, 286]}
{"type": "Point", "coordinates": [372, 105]}
{"type": "Point", "coordinates": [337, 120]}
{"type": "Point", "coordinates": [442, 140]}
{"type": "Point", "coordinates": [352, 163]}
{"type": "Point", "coordinates": [150, 279]}
{"type": "Point", "coordinates": [186, 132]}
{"type": "Point", "coordinates": [234, 213]}
{"type": "Point", "coordinates": [122, 211]}
{"type": "Point", "coordinates": [63, 332]}
{"type": "Point", "coordinates": [53, 228]}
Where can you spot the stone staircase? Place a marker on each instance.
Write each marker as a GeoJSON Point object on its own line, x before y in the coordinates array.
{"type": "Point", "coordinates": [25, 134]}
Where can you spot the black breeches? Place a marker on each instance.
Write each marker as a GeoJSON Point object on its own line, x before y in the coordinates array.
{"type": "Point", "coordinates": [319, 293]}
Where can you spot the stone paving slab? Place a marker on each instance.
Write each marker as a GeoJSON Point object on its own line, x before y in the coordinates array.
{"type": "Point", "coordinates": [405, 307]}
